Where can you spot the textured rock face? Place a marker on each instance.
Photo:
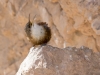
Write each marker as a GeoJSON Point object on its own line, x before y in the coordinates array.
{"type": "Point", "coordinates": [73, 23]}
{"type": "Point", "coordinates": [47, 60]}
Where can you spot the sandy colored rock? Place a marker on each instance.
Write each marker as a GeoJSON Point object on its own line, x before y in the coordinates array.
{"type": "Point", "coordinates": [48, 60]}
{"type": "Point", "coordinates": [73, 23]}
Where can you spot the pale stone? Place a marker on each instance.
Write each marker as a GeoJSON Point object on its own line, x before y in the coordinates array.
{"type": "Point", "coordinates": [48, 60]}
{"type": "Point", "coordinates": [96, 25]}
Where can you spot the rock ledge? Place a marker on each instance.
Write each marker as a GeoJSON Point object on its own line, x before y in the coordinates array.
{"type": "Point", "coordinates": [48, 60]}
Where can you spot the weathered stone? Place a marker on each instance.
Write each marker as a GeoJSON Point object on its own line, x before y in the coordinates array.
{"type": "Point", "coordinates": [48, 60]}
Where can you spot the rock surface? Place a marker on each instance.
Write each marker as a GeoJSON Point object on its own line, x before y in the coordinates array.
{"type": "Point", "coordinates": [48, 60]}
{"type": "Point", "coordinates": [73, 23]}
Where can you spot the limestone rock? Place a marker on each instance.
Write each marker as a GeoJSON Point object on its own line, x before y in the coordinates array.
{"type": "Point", "coordinates": [48, 60]}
